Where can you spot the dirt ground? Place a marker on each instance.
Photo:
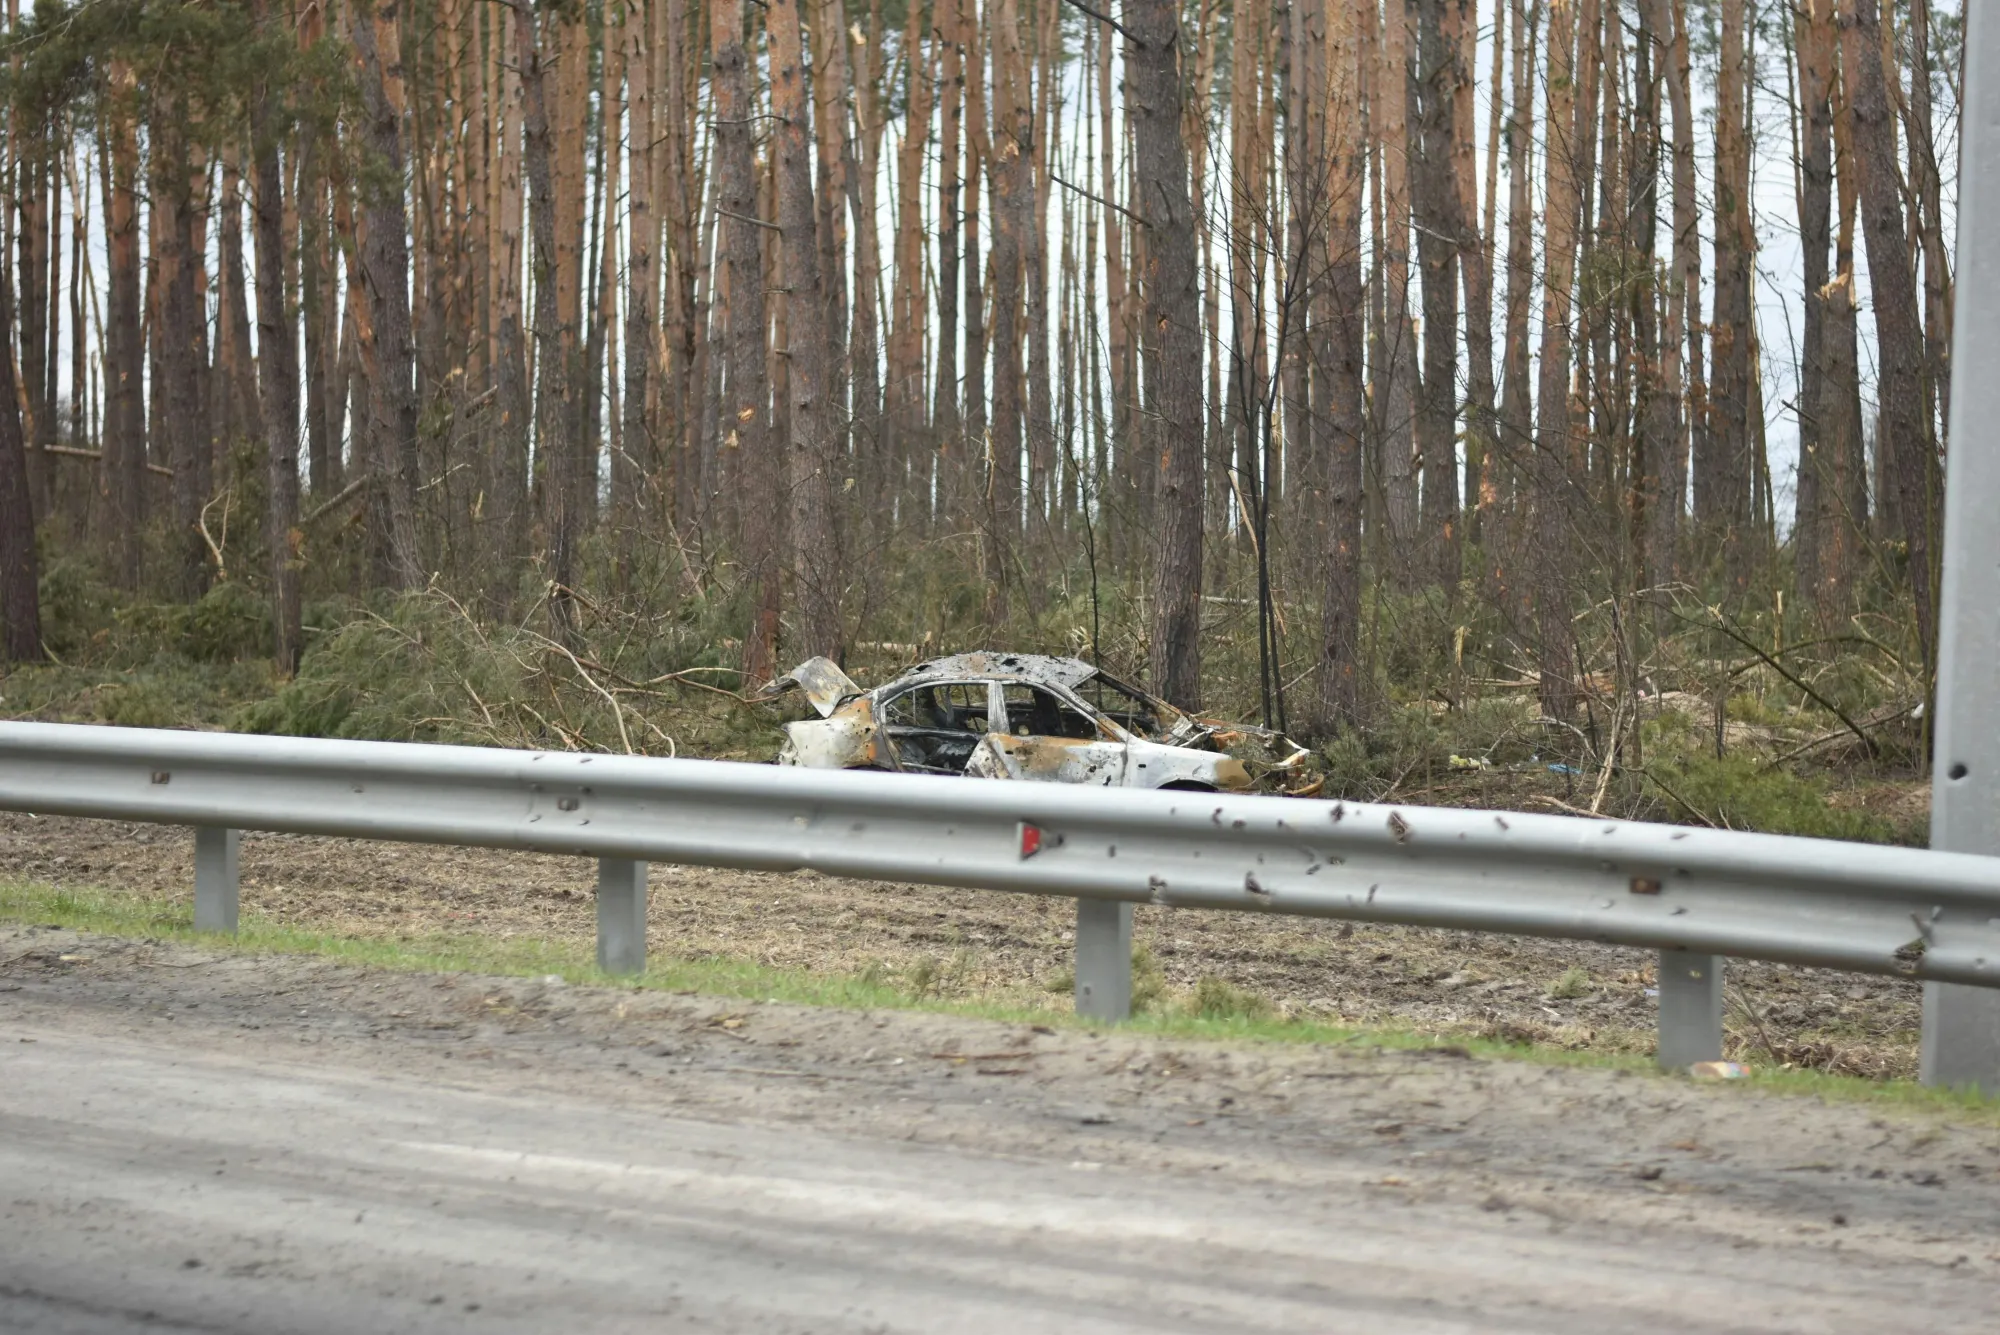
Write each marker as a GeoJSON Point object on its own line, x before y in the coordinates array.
{"type": "Point", "coordinates": [999, 946]}
{"type": "Point", "coordinates": [1522, 1146]}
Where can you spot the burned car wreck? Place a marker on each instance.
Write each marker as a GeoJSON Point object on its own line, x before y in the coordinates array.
{"type": "Point", "coordinates": [1032, 717]}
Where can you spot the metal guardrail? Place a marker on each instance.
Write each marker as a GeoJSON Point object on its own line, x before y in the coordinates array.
{"type": "Point", "coordinates": [1693, 895]}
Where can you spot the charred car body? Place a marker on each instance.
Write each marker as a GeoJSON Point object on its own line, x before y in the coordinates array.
{"type": "Point", "coordinates": [1032, 717]}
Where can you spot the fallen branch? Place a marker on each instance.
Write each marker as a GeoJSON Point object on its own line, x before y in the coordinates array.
{"type": "Point", "coordinates": [340, 498]}
{"type": "Point", "coordinates": [617, 711]}
{"type": "Point", "coordinates": [77, 452]}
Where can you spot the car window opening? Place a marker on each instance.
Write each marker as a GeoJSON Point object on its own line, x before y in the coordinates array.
{"type": "Point", "coordinates": [1034, 712]}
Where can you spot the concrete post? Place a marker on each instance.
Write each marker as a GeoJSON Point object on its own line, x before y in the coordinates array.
{"type": "Point", "coordinates": [215, 879]}
{"type": "Point", "coordinates": [1690, 1009]}
{"type": "Point", "coordinates": [621, 915]}
{"type": "Point", "coordinates": [1961, 1042]}
{"type": "Point", "coordinates": [1103, 959]}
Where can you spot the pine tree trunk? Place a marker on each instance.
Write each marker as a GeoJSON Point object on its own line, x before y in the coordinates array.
{"type": "Point", "coordinates": [832, 80]}
{"type": "Point", "coordinates": [637, 464]}
{"type": "Point", "coordinates": [1032, 200]}
{"type": "Point", "coordinates": [236, 412]}
{"type": "Point", "coordinates": [554, 414]}
{"type": "Point", "coordinates": [1929, 207]}
{"type": "Point", "coordinates": [178, 339]}
{"type": "Point", "coordinates": [124, 459]}
{"type": "Point", "coordinates": [387, 350]}
{"type": "Point", "coordinates": [1659, 337]}
{"type": "Point", "coordinates": [1812, 38]}
{"type": "Point", "coordinates": [747, 416]}
{"type": "Point", "coordinates": [1439, 233]}
{"type": "Point", "coordinates": [277, 372]}
{"type": "Point", "coordinates": [1340, 678]}
{"type": "Point", "coordinates": [30, 201]}
{"type": "Point", "coordinates": [20, 598]}
{"type": "Point", "coordinates": [1555, 469]}
{"type": "Point", "coordinates": [1516, 438]}
{"type": "Point", "coordinates": [1686, 264]}
{"type": "Point", "coordinates": [816, 553]}
{"type": "Point", "coordinates": [905, 395]}
{"type": "Point", "coordinates": [1172, 337]}
{"type": "Point", "coordinates": [1012, 139]}
{"type": "Point", "coordinates": [951, 449]}
{"type": "Point", "coordinates": [1905, 441]}
{"type": "Point", "coordinates": [1722, 475]}
{"type": "Point", "coordinates": [1395, 411]}
{"type": "Point", "coordinates": [1475, 256]}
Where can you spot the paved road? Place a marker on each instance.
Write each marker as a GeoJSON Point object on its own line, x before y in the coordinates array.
{"type": "Point", "coordinates": [155, 1189]}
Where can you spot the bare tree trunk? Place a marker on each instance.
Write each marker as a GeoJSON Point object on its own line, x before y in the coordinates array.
{"type": "Point", "coordinates": [386, 346]}
{"type": "Point", "coordinates": [1839, 409]}
{"type": "Point", "coordinates": [1395, 410]}
{"type": "Point", "coordinates": [746, 420]}
{"type": "Point", "coordinates": [905, 398]}
{"type": "Point", "coordinates": [814, 463]}
{"type": "Point", "coordinates": [863, 177]}
{"type": "Point", "coordinates": [1929, 209]}
{"type": "Point", "coordinates": [1340, 685]}
{"type": "Point", "coordinates": [1905, 440]}
{"type": "Point", "coordinates": [178, 339]}
{"type": "Point", "coordinates": [1555, 463]}
{"type": "Point", "coordinates": [1012, 137]}
{"type": "Point", "coordinates": [951, 450]}
{"type": "Point", "coordinates": [1813, 40]}
{"type": "Point", "coordinates": [1032, 200]}
{"type": "Point", "coordinates": [978, 153]}
{"type": "Point", "coordinates": [832, 89]}
{"type": "Point", "coordinates": [20, 597]}
{"type": "Point", "coordinates": [1439, 234]}
{"type": "Point", "coordinates": [1658, 322]}
{"type": "Point", "coordinates": [33, 136]}
{"type": "Point", "coordinates": [1722, 474]}
{"type": "Point", "coordinates": [1476, 255]}
{"type": "Point", "coordinates": [553, 414]}
{"type": "Point", "coordinates": [637, 463]}
{"type": "Point", "coordinates": [278, 374]}
{"type": "Point", "coordinates": [1687, 261]}
{"type": "Point", "coordinates": [125, 416]}
{"type": "Point", "coordinates": [1516, 437]}
{"type": "Point", "coordinates": [236, 398]}
{"type": "Point", "coordinates": [1173, 339]}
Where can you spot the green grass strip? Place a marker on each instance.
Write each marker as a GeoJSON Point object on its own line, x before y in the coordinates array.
{"type": "Point", "coordinates": [168, 920]}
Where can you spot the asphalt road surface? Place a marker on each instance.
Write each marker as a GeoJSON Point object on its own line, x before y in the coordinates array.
{"type": "Point", "coordinates": [217, 1144]}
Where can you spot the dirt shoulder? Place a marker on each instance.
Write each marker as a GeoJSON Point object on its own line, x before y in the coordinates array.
{"type": "Point", "coordinates": [1533, 1146]}
{"type": "Point", "coordinates": [958, 944]}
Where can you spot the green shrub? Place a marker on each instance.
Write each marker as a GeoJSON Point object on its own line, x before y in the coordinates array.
{"type": "Point", "coordinates": [227, 624]}
{"type": "Point", "coordinates": [1219, 999]}
{"type": "Point", "coordinates": [1743, 792]}
{"type": "Point", "coordinates": [139, 702]}
{"type": "Point", "coordinates": [1573, 983]}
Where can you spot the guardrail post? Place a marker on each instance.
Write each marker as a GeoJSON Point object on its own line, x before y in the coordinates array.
{"type": "Point", "coordinates": [1103, 959]}
{"type": "Point", "coordinates": [215, 878]}
{"type": "Point", "coordinates": [1961, 1043]}
{"type": "Point", "coordinates": [1690, 1009]}
{"type": "Point", "coordinates": [621, 915]}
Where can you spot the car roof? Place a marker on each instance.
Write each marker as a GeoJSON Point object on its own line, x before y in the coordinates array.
{"type": "Point", "coordinates": [1065, 672]}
